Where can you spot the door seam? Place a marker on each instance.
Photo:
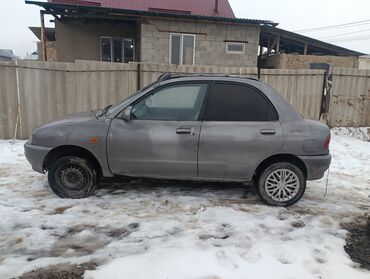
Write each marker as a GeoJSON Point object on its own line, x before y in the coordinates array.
{"type": "Point", "coordinates": [198, 145]}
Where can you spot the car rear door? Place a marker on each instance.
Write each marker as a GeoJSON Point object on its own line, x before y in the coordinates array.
{"type": "Point", "coordinates": [161, 139]}
{"type": "Point", "coordinates": [239, 130]}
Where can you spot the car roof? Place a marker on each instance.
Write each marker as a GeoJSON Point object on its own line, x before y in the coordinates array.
{"type": "Point", "coordinates": [198, 76]}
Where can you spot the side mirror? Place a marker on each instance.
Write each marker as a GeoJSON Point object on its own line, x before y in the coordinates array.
{"type": "Point", "coordinates": [126, 114]}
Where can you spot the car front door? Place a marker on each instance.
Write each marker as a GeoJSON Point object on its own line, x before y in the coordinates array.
{"type": "Point", "coordinates": [240, 129]}
{"type": "Point", "coordinates": [161, 139]}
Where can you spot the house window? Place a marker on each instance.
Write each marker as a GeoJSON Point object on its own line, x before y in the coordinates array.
{"type": "Point", "coordinates": [235, 48]}
{"type": "Point", "coordinates": [117, 49]}
{"type": "Point", "coordinates": [182, 49]}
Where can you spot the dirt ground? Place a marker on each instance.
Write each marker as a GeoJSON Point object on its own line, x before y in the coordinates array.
{"type": "Point", "coordinates": [183, 230]}
{"type": "Point", "coordinates": [358, 241]}
{"type": "Point", "coordinates": [357, 247]}
{"type": "Point", "coordinates": [60, 271]}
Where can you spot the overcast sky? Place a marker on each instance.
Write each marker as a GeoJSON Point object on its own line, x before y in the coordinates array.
{"type": "Point", "coordinates": [16, 16]}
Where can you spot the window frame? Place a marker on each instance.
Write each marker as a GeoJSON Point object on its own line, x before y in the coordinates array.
{"type": "Point", "coordinates": [232, 51]}
{"type": "Point", "coordinates": [181, 47]}
{"type": "Point", "coordinates": [122, 39]}
{"type": "Point", "coordinates": [164, 86]}
{"type": "Point", "coordinates": [211, 88]}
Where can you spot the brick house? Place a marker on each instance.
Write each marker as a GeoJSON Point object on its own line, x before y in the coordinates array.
{"type": "Point", "coordinates": [191, 32]}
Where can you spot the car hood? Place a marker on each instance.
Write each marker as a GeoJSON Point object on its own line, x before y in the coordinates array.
{"type": "Point", "coordinates": [72, 118]}
{"type": "Point", "coordinates": [57, 131]}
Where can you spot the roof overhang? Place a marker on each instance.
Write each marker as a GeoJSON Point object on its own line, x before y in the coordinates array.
{"type": "Point", "coordinates": [291, 42]}
{"type": "Point", "coordinates": [97, 12]}
{"type": "Point", "coordinates": [49, 33]}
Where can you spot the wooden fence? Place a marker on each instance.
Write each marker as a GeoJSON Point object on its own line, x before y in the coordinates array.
{"type": "Point", "coordinates": [43, 91]}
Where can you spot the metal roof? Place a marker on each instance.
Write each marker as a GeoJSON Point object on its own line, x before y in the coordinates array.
{"type": "Point", "coordinates": [291, 42]}
{"type": "Point", "coordinates": [49, 33]}
{"type": "Point", "coordinates": [8, 53]}
{"type": "Point", "coordinates": [194, 7]}
{"type": "Point", "coordinates": [92, 11]}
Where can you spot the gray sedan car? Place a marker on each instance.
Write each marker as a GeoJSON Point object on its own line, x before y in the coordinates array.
{"type": "Point", "coordinates": [198, 127]}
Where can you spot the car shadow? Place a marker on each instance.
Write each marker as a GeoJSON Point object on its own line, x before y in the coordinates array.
{"type": "Point", "coordinates": [117, 185]}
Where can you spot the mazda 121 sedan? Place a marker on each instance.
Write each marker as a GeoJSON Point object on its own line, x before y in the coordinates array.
{"type": "Point", "coordinates": [187, 127]}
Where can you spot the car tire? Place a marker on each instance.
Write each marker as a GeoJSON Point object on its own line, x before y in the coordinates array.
{"type": "Point", "coordinates": [72, 177]}
{"type": "Point", "coordinates": [281, 184]}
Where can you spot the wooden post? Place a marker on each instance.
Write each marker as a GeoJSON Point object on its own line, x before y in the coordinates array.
{"type": "Point", "coordinates": [271, 47]}
{"type": "Point", "coordinates": [43, 38]}
{"type": "Point", "coordinates": [268, 46]}
{"type": "Point", "coordinates": [305, 49]}
{"type": "Point", "coordinates": [277, 43]}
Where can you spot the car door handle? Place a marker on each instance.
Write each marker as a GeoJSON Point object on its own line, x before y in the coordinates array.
{"type": "Point", "coordinates": [268, 132]}
{"type": "Point", "coordinates": [183, 131]}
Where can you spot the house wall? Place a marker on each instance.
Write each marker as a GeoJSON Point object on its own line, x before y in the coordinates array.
{"type": "Point", "coordinates": [80, 40]}
{"type": "Point", "coordinates": [299, 61]}
{"type": "Point", "coordinates": [210, 45]}
{"type": "Point", "coordinates": [51, 51]}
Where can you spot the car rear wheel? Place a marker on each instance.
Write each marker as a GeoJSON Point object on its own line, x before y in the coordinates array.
{"type": "Point", "coordinates": [72, 177]}
{"type": "Point", "coordinates": [281, 184]}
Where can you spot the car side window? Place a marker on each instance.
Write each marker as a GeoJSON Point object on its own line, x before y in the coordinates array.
{"type": "Point", "coordinates": [238, 102]}
{"type": "Point", "coordinates": [180, 102]}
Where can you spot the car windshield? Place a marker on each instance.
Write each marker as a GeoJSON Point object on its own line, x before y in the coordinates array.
{"type": "Point", "coordinates": [124, 102]}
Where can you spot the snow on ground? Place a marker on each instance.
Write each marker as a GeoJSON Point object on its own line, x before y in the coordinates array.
{"type": "Point", "coordinates": [159, 229]}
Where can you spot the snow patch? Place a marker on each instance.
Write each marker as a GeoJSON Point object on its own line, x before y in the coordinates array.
{"type": "Point", "coordinates": [158, 229]}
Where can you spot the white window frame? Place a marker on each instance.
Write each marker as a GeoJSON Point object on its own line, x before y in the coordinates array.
{"type": "Point", "coordinates": [235, 52]}
{"type": "Point", "coordinates": [111, 48]}
{"type": "Point", "coordinates": [181, 47]}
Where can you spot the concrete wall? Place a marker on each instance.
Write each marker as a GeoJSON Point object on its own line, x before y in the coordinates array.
{"type": "Point", "coordinates": [210, 45]}
{"type": "Point", "coordinates": [78, 40]}
{"type": "Point", "coordinates": [51, 51]}
{"type": "Point", "coordinates": [299, 61]}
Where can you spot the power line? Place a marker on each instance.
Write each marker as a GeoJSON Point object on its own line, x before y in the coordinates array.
{"type": "Point", "coordinates": [349, 24]}
{"type": "Point", "coordinates": [343, 34]}
{"type": "Point", "coordinates": [350, 39]}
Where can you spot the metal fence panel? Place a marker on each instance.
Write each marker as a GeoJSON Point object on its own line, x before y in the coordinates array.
{"type": "Point", "coordinates": [8, 99]}
{"type": "Point", "coordinates": [151, 72]}
{"type": "Point", "coordinates": [350, 98]}
{"type": "Point", "coordinates": [302, 88]}
{"type": "Point", "coordinates": [48, 90]}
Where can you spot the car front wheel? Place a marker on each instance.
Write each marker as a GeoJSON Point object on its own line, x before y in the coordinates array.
{"type": "Point", "coordinates": [72, 177]}
{"type": "Point", "coordinates": [281, 184]}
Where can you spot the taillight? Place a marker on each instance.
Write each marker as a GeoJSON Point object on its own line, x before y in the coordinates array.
{"type": "Point", "coordinates": [327, 142]}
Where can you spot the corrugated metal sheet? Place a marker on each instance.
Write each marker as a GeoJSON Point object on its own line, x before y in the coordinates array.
{"type": "Point", "coordinates": [8, 99]}
{"type": "Point", "coordinates": [195, 7]}
{"type": "Point", "coordinates": [302, 88]}
{"type": "Point", "coordinates": [48, 90]}
{"type": "Point", "coordinates": [350, 98]}
{"type": "Point", "coordinates": [151, 72]}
